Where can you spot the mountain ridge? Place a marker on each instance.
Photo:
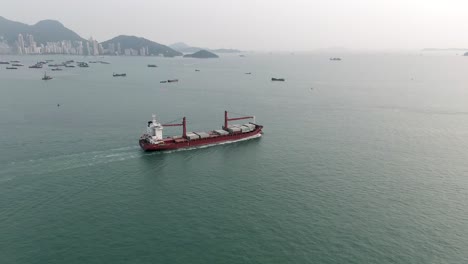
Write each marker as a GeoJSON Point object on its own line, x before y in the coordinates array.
{"type": "Point", "coordinates": [47, 30]}
{"type": "Point", "coordinates": [184, 48]}
{"type": "Point", "coordinates": [134, 42]}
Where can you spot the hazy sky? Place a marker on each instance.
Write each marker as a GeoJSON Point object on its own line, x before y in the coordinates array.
{"type": "Point", "coordinates": [260, 24]}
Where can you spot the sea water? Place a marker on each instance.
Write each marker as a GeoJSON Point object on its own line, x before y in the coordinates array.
{"type": "Point", "coordinates": [362, 160]}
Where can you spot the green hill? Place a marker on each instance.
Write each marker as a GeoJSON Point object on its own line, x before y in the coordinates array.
{"type": "Point", "coordinates": [136, 43]}
{"type": "Point", "coordinates": [43, 31]}
{"type": "Point", "coordinates": [202, 54]}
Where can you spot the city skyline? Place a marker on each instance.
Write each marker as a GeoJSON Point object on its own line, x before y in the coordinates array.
{"type": "Point", "coordinates": [91, 47]}
{"type": "Point", "coordinates": [296, 25]}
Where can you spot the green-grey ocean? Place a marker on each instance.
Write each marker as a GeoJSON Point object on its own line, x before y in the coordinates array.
{"type": "Point", "coordinates": [363, 160]}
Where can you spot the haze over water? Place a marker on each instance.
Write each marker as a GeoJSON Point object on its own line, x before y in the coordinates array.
{"type": "Point", "coordinates": [362, 161]}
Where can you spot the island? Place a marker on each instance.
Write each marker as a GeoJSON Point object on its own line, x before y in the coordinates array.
{"type": "Point", "coordinates": [202, 54]}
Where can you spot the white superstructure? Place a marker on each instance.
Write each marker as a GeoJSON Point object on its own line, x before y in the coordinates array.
{"type": "Point", "coordinates": [155, 129]}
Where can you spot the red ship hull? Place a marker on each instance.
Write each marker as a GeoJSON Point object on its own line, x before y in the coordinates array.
{"type": "Point", "coordinates": [173, 144]}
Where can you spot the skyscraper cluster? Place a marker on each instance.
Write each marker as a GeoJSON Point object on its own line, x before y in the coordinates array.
{"type": "Point", "coordinates": [27, 45]}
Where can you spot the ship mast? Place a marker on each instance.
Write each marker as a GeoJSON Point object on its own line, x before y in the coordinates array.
{"type": "Point", "coordinates": [227, 119]}
{"type": "Point", "coordinates": [184, 127]}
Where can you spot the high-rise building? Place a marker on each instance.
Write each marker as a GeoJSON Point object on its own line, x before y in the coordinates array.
{"type": "Point", "coordinates": [119, 50]}
{"type": "Point", "coordinates": [79, 47]}
{"type": "Point", "coordinates": [88, 49]}
{"type": "Point", "coordinates": [21, 49]}
{"type": "Point", "coordinates": [111, 48]}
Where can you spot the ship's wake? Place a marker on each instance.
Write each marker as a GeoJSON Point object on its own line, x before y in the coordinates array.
{"type": "Point", "coordinates": [85, 159]}
{"type": "Point", "coordinates": [68, 161]}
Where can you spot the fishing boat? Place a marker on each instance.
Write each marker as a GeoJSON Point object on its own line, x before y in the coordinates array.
{"type": "Point", "coordinates": [163, 82]}
{"type": "Point", "coordinates": [4, 62]}
{"type": "Point", "coordinates": [173, 80]}
{"type": "Point", "coordinates": [278, 79]}
{"type": "Point", "coordinates": [119, 74]}
{"type": "Point", "coordinates": [36, 66]}
{"type": "Point", "coordinates": [11, 68]}
{"type": "Point", "coordinates": [46, 77]}
{"type": "Point", "coordinates": [56, 69]}
{"type": "Point", "coordinates": [152, 66]}
{"type": "Point", "coordinates": [153, 139]}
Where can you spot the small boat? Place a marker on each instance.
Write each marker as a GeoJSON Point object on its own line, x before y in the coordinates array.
{"type": "Point", "coordinates": [11, 68]}
{"type": "Point", "coordinates": [163, 82]}
{"type": "Point", "coordinates": [36, 66]}
{"type": "Point", "coordinates": [69, 61]}
{"type": "Point", "coordinates": [119, 74]}
{"type": "Point", "coordinates": [46, 77]}
{"type": "Point", "coordinates": [83, 65]}
{"type": "Point", "coordinates": [70, 66]}
{"type": "Point", "coordinates": [17, 64]}
{"type": "Point", "coordinates": [15, 61]}
{"type": "Point", "coordinates": [278, 79]}
{"type": "Point", "coordinates": [152, 66]}
{"type": "Point", "coordinates": [335, 59]}
{"type": "Point", "coordinates": [173, 80]}
{"type": "Point", "coordinates": [56, 69]}
{"type": "Point", "coordinates": [197, 70]}
{"type": "Point", "coordinates": [104, 62]}
{"type": "Point", "coordinates": [49, 60]}
{"type": "Point", "coordinates": [248, 73]}
{"type": "Point", "coordinates": [93, 62]}
{"type": "Point", "coordinates": [4, 62]}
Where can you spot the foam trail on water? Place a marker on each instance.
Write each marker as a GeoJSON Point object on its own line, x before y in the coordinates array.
{"type": "Point", "coordinates": [68, 161]}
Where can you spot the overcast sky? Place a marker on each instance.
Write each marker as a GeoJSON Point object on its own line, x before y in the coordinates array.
{"type": "Point", "coordinates": [293, 25]}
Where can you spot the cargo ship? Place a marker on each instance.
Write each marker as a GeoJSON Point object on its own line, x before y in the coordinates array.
{"type": "Point", "coordinates": [153, 139]}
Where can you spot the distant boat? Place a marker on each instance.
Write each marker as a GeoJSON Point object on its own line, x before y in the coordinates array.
{"type": "Point", "coordinates": [278, 79]}
{"type": "Point", "coordinates": [152, 66]}
{"type": "Point", "coordinates": [70, 66]}
{"type": "Point", "coordinates": [46, 77]}
{"type": "Point", "coordinates": [335, 59]}
{"type": "Point", "coordinates": [17, 64]}
{"type": "Point", "coordinates": [104, 62]}
{"type": "Point", "coordinates": [197, 70]}
{"type": "Point", "coordinates": [15, 61]}
{"type": "Point", "coordinates": [36, 66]}
{"type": "Point", "coordinates": [163, 82]}
{"type": "Point", "coordinates": [241, 55]}
{"type": "Point", "coordinates": [248, 73]}
{"type": "Point", "coordinates": [11, 68]}
{"type": "Point", "coordinates": [56, 69]}
{"type": "Point", "coordinates": [83, 65]}
{"type": "Point", "coordinates": [119, 74]}
{"type": "Point", "coordinates": [173, 80]}
{"type": "Point", "coordinates": [4, 62]}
